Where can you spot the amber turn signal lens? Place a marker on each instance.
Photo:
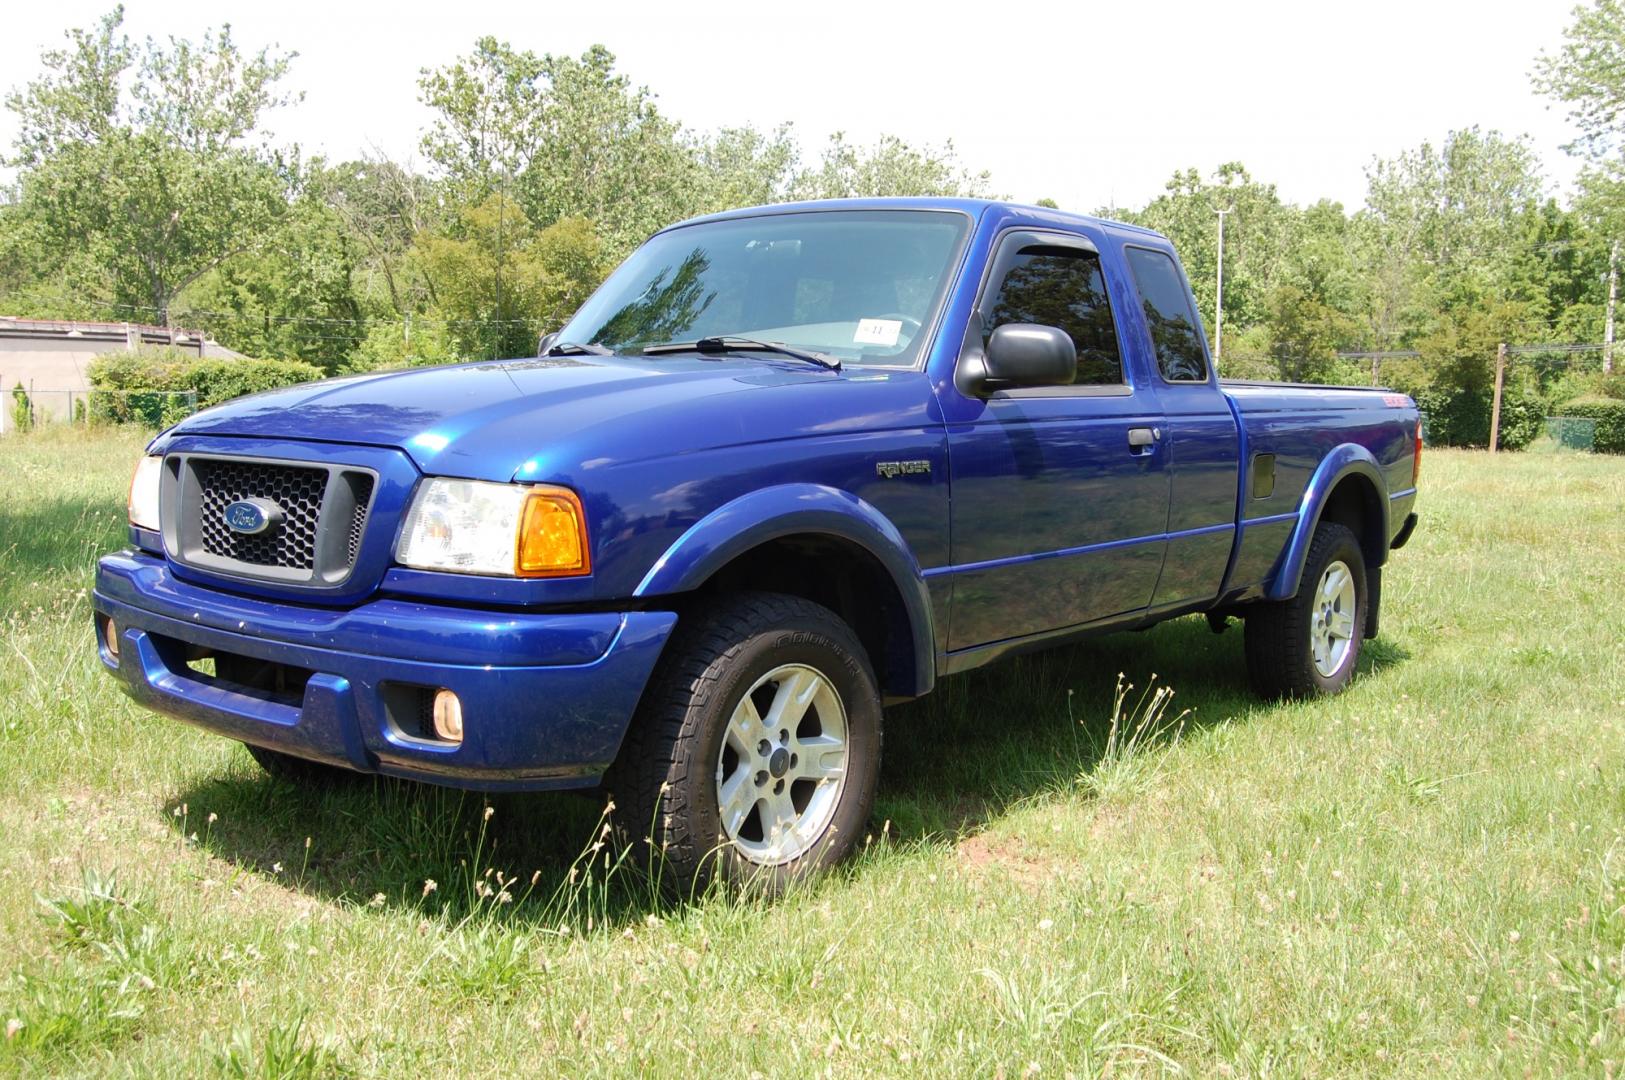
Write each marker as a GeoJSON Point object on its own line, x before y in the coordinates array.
{"type": "Point", "coordinates": [553, 535]}
{"type": "Point", "coordinates": [110, 637]}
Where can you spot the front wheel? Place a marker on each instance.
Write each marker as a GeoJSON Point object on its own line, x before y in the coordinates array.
{"type": "Point", "coordinates": [1309, 645]}
{"type": "Point", "coordinates": [756, 751]}
{"type": "Point", "coordinates": [297, 770]}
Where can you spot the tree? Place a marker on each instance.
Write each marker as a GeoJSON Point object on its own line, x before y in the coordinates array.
{"type": "Point", "coordinates": [1259, 233]}
{"type": "Point", "coordinates": [295, 298]}
{"type": "Point", "coordinates": [744, 167]}
{"type": "Point", "coordinates": [1588, 74]}
{"type": "Point", "coordinates": [889, 167]}
{"type": "Point", "coordinates": [500, 283]}
{"type": "Point", "coordinates": [563, 136]}
{"type": "Point", "coordinates": [141, 165]}
{"type": "Point", "coordinates": [383, 206]}
{"type": "Point", "coordinates": [1304, 334]}
{"type": "Point", "coordinates": [1438, 239]}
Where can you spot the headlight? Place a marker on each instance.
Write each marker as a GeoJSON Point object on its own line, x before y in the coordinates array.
{"type": "Point", "coordinates": [144, 492]}
{"type": "Point", "coordinates": [516, 530]}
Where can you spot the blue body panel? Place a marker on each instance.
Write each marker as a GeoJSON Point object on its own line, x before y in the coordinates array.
{"type": "Point", "coordinates": [552, 692]}
{"type": "Point", "coordinates": [1027, 518]}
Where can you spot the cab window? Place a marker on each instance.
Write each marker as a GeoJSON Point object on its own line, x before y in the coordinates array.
{"type": "Point", "coordinates": [1062, 287]}
{"type": "Point", "coordinates": [1169, 316]}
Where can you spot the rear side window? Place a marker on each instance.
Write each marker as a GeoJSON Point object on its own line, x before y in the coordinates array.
{"type": "Point", "coordinates": [1168, 313]}
{"type": "Point", "coordinates": [1061, 287]}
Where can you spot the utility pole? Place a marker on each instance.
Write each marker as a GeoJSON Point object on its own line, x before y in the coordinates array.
{"type": "Point", "coordinates": [1495, 408]}
{"type": "Point", "coordinates": [1613, 291]}
{"type": "Point", "coordinates": [1218, 294]}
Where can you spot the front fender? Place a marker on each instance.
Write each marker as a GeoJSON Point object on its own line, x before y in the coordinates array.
{"type": "Point", "coordinates": [1345, 460]}
{"type": "Point", "coordinates": [799, 509]}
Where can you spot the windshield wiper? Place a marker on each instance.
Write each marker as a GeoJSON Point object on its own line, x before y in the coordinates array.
{"type": "Point", "coordinates": [571, 348]}
{"type": "Point", "coordinates": [716, 345]}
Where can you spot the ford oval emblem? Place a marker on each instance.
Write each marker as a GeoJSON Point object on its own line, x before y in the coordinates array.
{"type": "Point", "coordinates": [251, 517]}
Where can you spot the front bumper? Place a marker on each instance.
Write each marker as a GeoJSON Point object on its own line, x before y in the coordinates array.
{"type": "Point", "coordinates": [546, 697]}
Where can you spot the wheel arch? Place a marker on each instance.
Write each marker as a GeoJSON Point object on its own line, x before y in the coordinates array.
{"type": "Point", "coordinates": [825, 545]}
{"type": "Point", "coordinates": [1347, 487]}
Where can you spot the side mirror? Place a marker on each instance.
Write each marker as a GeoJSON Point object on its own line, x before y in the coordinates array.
{"type": "Point", "coordinates": [1026, 354]}
{"type": "Point", "coordinates": [546, 342]}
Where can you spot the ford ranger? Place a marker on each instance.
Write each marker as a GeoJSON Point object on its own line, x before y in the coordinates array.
{"type": "Point", "coordinates": [786, 466]}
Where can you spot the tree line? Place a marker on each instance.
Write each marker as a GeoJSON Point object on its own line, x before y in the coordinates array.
{"type": "Point", "coordinates": [148, 187]}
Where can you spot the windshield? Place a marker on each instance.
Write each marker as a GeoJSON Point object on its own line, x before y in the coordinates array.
{"type": "Point", "coordinates": [857, 285]}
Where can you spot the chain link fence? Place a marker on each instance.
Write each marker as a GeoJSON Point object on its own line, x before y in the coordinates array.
{"type": "Point", "coordinates": [1576, 433]}
{"type": "Point", "coordinates": [25, 410]}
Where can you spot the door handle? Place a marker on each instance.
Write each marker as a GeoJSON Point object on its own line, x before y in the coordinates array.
{"type": "Point", "coordinates": [1141, 438]}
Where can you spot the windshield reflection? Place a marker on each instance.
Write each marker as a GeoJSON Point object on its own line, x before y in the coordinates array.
{"type": "Point", "coordinates": [857, 285]}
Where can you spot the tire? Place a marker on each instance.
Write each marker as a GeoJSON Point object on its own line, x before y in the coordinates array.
{"type": "Point", "coordinates": [703, 776]}
{"type": "Point", "coordinates": [1289, 650]}
{"type": "Point", "coordinates": [299, 771]}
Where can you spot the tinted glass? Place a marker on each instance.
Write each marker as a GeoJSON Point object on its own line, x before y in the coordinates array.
{"type": "Point", "coordinates": [1064, 288]}
{"type": "Point", "coordinates": [1168, 313]}
{"type": "Point", "coordinates": [859, 285]}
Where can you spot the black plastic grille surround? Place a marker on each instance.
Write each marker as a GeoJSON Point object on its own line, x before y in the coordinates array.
{"type": "Point", "coordinates": [297, 490]}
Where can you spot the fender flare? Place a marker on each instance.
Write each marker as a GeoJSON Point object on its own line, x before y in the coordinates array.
{"type": "Point", "coordinates": [799, 509]}
{"type": "Point", "coordinates": [1345, 460]}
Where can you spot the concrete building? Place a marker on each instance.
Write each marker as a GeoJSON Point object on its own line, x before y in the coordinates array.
{"type": "Point", "coordinates": [51, 359]}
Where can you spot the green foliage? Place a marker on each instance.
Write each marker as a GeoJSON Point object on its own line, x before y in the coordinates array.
{"type": "Point", "coordinates": [137, 165]}
{"type": "Point", "coordinates": [280, 1053]}
{"type": "Point", "coordinates": [563, 136]}
{"type": "Point", "coordinates": [502, 283]}
{"type": "Point", "coordinates": [1588, 74]}
{"type": "Point", "coordinates": [1260, 230]}
{"type": "Point", "coordinates": [397, 344]}
{"type": "Point", "coordinates": [1458, 417]}
{"type": "Point", "coordinates": [146, 189]}
{"type": "Point", "coordinates": [296, 296]}
{"type": "Point", "coordinates": [889, 167]}
{"type": "Point", "coordinates": [99, 912]}
{"type": "Point", "coordinates": [1304, 334]}
{"type": "Point", "coordinates": [22, 410]}
{"type": "Point", "coordinates": [158, 386]}
{"type": "Point", "coordinates": [1609, 415]}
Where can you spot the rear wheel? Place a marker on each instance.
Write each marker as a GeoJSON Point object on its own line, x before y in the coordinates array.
{"type": "Point", "coordinates": [756, 750]}
{"type": "Point", "coordinates": [1310, 644]}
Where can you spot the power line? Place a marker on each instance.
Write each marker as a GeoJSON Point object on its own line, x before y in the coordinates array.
{"type": "Point", "coordinates": [249, 317]}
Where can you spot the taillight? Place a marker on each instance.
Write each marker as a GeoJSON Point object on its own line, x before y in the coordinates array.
{"type": "Point", "coordinates": [1416, 462]}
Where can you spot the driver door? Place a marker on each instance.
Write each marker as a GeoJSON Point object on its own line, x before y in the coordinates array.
{"type": "Point", "coordinates": [1060, 493]}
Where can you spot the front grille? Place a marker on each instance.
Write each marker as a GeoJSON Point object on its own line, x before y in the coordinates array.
{"type": "Point", "coordinates": [358, 517]}
{"type": "Point", "coordinates": [296, 489]}
{"type": "Point", "coordinates": [319, 517]}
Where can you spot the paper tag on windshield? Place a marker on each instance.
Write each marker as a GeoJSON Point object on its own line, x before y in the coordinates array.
{"type": "Point", "coordinates": [877, 332]}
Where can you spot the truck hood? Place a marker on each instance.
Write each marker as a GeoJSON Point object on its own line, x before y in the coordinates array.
{"type": "Point", "coordinates": [538, 417]}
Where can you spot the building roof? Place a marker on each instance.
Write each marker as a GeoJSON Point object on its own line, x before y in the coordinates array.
{"type": "Point", "coordinates": [124, 333]}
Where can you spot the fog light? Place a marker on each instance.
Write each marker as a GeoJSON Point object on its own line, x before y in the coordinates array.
{"type": "Point", "coordinates": [110, 636]}
{"type": "Point", "coordinates": [448, 717]}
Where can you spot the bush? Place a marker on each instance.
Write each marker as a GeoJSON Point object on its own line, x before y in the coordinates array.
{"type": "Point", "coordinates": [159, 386]}
{"type": "Point", "coordinates": [1609, 415]}
{"type": "Point", "coordinates": [386, 348]}
{"type": "Point", "coordinates": [22, 411]}
{"type": "Point", "coordinates": [1462, 418]}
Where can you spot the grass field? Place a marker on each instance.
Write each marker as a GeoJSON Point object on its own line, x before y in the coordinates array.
{"type": "Point", "coordinates": [1424, 876]}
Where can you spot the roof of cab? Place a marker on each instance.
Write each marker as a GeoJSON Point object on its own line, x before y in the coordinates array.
{"type": "Point", "coordinates": [974, 207]}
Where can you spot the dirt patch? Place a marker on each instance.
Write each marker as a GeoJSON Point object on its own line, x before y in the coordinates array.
{"type": "Point", "coordinates": [988, 854]}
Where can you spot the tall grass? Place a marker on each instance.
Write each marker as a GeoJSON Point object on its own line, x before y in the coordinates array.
{"type": "Point", "coordinates": [1425, 876]}
{"type": "Point", "coordinates": [1127, 759]}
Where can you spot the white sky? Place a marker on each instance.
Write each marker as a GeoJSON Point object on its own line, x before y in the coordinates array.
{"type": "Point", "coordinates": [1089, 103]}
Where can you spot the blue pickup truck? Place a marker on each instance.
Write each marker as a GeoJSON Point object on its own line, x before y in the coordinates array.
{"type": "Point", "coordinates": [788, 465]}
